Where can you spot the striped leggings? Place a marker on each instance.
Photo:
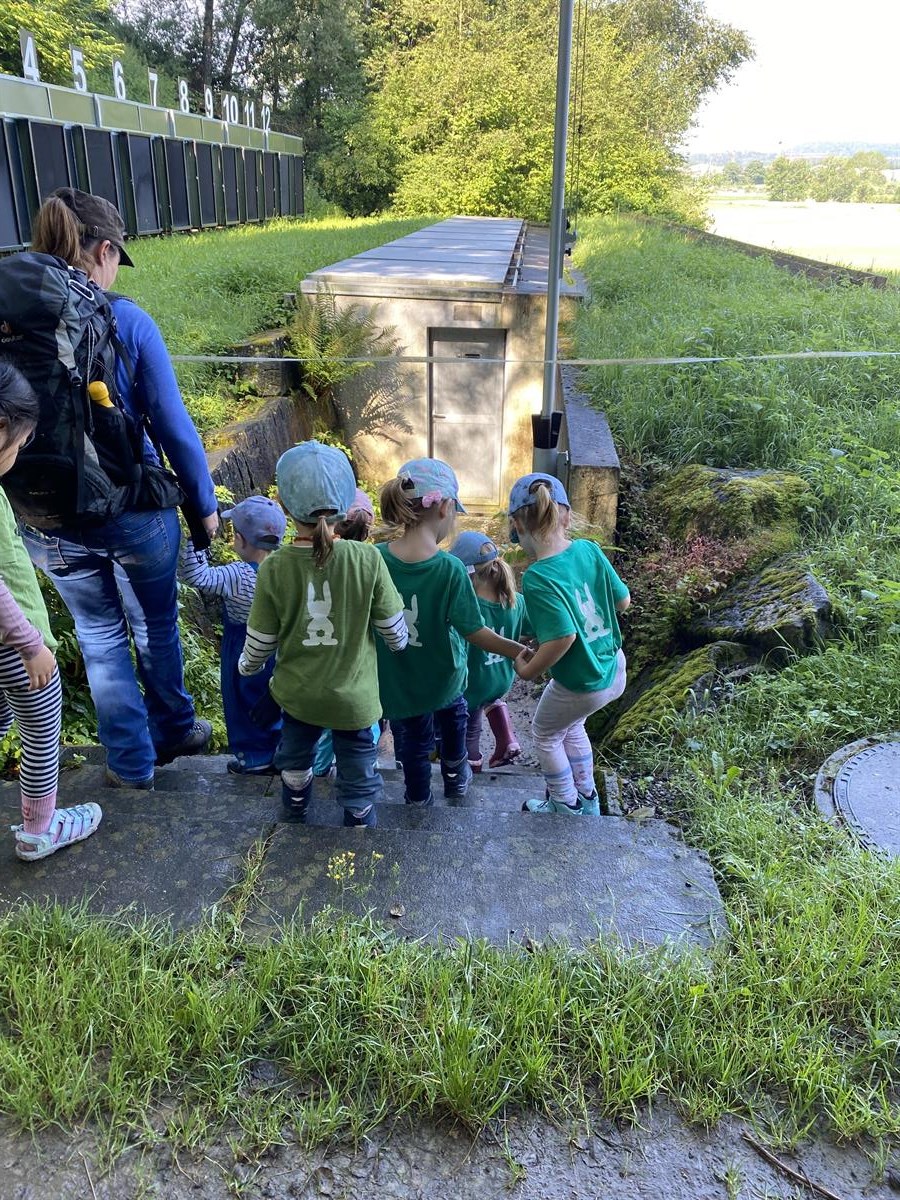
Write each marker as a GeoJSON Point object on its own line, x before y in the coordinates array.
{"type": "Point", "coordinates": [39, 718]}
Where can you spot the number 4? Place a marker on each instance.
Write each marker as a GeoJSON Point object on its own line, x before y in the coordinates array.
{"type": "Point", "coordinates": [29, 56]}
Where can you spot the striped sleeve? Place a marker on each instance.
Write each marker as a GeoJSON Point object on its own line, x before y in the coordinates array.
{"type": "Point", "coordinates": [393, 631]}
{"type": "Point", "coordinates": [258, 649]}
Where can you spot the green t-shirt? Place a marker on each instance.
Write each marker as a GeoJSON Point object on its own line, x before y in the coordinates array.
{"type": "Point", "coordinates": [17, 572]}
{"type": "Point", "coordinates": [576, 591]}
{"type": "Point", "coordinates": [325, 667]}
{"type": "Point", "coordinates": [440, 607]}
{"type": "Point", "coordinates": [491, 675]}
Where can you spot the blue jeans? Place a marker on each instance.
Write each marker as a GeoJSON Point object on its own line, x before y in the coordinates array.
{"type": "Point", "coordinates": [254, 744]}
{"type": "Point", "coordinates": [358, 782]}
{"type": "Point", "coordinates": [416, 743]}
{"type": "Point", "coordinates": [118, 580]}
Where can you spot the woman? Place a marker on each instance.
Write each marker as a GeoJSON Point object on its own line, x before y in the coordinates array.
{"type": "Point", "coordinates": [119, 578]}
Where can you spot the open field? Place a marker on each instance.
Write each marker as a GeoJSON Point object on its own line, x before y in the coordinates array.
{"type": "Point", "coordinates": [856, 235]}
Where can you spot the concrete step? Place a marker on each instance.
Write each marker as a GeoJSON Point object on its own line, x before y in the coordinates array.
{"type": "Point", "coordinates": [517, 879]}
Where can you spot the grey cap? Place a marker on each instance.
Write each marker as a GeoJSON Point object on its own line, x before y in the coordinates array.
{"type": "Point", "coordinates": [99, 219]}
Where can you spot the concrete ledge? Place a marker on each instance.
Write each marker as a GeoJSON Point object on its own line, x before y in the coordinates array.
{"type": "Point", "coordinates": [269, 379]}
{"type": "Point", "coordinates": [245, 454]}
{"type": "Point", "coordinates": [593, 467]}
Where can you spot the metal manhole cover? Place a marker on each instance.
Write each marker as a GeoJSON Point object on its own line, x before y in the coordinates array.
{"type": "Point", "coordinates": [867, 795]}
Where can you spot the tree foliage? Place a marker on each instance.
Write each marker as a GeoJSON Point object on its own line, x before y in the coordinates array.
{"type": "Point", "coordinates": [56, 24]}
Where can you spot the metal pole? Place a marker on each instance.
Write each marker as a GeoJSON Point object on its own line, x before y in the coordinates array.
{"type": "Point", "coordinates": [557, 223]}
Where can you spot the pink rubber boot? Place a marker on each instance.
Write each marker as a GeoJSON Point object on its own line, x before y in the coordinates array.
{"type": "Point", "coordinates": [507, 747]}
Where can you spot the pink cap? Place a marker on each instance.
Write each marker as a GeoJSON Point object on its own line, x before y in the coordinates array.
{"type": "Point", "coordinates": [361, 504]}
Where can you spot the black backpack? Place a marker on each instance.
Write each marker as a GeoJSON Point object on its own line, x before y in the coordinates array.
{"type": "Point", "coordinates": [85, 464]}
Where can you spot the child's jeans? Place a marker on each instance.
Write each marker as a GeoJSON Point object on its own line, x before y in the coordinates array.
{"type": "Point", "coordinates": [417, 743]}
{"type": "Point", "coordinates": [560, 739]}
{"type": "Point", "coordinates": [358, 781]}
{"type": "Point", "coordinates": [324, 755]}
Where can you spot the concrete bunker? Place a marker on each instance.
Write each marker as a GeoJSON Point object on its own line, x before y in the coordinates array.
{"type": "Point", "coordinates": [471, 294]}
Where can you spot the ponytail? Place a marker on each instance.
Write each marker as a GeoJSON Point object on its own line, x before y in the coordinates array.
{"type": "Point", "coordinates": [397, 507]}
{"type": "Point", "coordinates": [354, 529]}
{"type": "Point", "coordinates": [542, 517]}
{"type": "Point", "coordinates": [322, 541]}
{"type": "Point", "coordinates": [57, 231]}
{"type": "Point", "coordinates": [500, 577]}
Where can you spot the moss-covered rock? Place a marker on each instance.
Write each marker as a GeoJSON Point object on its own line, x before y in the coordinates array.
{"type": "Point", "coordinates": [781, 606]}
{"type": "Point", "coordinates": [731, 503]}
{"type": "Point", "coordinates": [677, 685]}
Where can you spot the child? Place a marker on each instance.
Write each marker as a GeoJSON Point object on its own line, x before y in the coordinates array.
{"type": "Point", "coordinates": [572, 596]}
{"type": "Point", "coordinates": [317, 601]}
{"type": "Point", "coordinates": [30, 690]}
{"type": "Point", "coordinates": [355, 527]}
{"type": "Point", "coordinates": [490, 675]}
{"type": "Point", "coordinates": [259, 526]}
{"type": "Point", "coordinates": [426, 684]}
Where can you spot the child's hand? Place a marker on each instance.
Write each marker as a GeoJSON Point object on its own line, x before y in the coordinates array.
{"type": "Point", "coordinates": [40, 669]}
{"type": "Point", "coordinates": [520, 664]}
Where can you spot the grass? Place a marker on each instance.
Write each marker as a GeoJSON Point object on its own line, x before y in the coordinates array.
{"type": "Point", "coordinates": [793, 1021]}
{"type": "Point", "coordinates": [208, 291]}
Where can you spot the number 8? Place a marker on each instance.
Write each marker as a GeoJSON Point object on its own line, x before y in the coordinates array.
{"type": "Point", "coordinates": [184, 102]}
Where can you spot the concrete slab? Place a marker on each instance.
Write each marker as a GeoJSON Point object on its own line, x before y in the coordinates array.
{"type": "Point", "coordinates": [636, 884]}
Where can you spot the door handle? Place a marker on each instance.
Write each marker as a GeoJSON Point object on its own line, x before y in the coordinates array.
{"type": "Point", "coordinates": [438, 417]}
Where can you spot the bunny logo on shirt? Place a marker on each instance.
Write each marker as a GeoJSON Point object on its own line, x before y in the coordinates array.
{"type": "Point", "coordinates": [593, 622]}
{"type": "Point", "coordinates": [320, 631]}
{"type": "Point", "coordinates": [411, 616]}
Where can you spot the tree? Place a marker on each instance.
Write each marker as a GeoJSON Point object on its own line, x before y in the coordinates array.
{"type": "Point", "coordinates": [732, 174]}
{"type": "Point", "coordinates": [789, 179]}
{"type": "Point", "coordinates": [467, 101]}
{"type": "Point", "coordinates": [56, 24]}
{"type": "Point", "coordinates": [755, 172]}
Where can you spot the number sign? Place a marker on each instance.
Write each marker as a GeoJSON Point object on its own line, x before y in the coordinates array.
{"type": "Point", "coordinates": [29, 56]}
{"type": "Point", "coordinates": [78, 76]}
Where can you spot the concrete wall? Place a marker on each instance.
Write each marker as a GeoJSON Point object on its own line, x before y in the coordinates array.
{"type": "Point", "coordinates": [521, 314]}
{"type": "Point", "coordinates": [593, 464]}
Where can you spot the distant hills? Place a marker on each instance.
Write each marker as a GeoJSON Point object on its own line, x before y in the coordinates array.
{"type": "Point", "coordinates": [810, 150]}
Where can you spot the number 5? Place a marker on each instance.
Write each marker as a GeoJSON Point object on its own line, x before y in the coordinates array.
{"type": "Point", "coordinates": [78, 74]}
{"type": "Point", "coordinates": [119, 79]}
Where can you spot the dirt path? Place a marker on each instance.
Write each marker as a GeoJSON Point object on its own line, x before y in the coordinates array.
{"type": "Point", "coordinates": [660, 1157]}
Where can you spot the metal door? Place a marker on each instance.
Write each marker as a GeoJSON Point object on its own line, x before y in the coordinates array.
{"type": "Point", "coordinates": [465, 405]}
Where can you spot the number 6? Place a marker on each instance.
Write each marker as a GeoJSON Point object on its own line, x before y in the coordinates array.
{"type": "Point", "coordinates": [119, 79]}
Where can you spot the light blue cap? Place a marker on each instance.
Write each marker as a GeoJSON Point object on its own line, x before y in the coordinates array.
{"type": "Point", "coordinates": [475, 549]}
{"type": "Point", "coordinates": [524, 493]}
{"type": "Point", "coordinates": [429, 480]}
{"type": "Point", "coordinates": [313, 479]}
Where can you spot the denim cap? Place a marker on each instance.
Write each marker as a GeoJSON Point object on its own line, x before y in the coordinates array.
{"type": "Point", "coordinates": [474, 549]}
{"type": "Point", "coordinates": [259, 520]}
{"type": "Point", "coordinates": [362, 504]}
{"type": "Point", "coordinates": [313, 479]}
{"type": "Point", "coordinates": [431, 481]}
{"type": "Point", "coordinates": [521, 496]}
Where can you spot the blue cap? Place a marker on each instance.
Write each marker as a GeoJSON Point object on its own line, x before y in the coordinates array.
{"type": "Point", "coordinates": [431, 481]}
{"type": "Point", "coordinates": [313, 479]}
{"type": "Point", "coordinates": [475, 549]}
{"type": "Point", "coordinates": [259, 520]}
{"type": "Point", "coordinates": [524, 493]}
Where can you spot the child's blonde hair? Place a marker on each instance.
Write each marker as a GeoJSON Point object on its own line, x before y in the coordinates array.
{"type": "Point", "coordinates": [322, 539]}
{"type": "Point", "coordinates": [498, 574]}
{"type": "Point", "coordinates": [398, 508]}
{"type": "Point", "coordinates": [542, 518]}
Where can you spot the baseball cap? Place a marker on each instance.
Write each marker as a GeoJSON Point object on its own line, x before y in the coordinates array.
{"type": "Point", "coordinates": [362, 504]}
{"type": "Point", "coordinates": [98, 218]}
{"type": "Point", "coordinates": [313, 479]}
{"type": "Point", "coordinates": [429, 480]}
{"type": "Point", "coordinates": [474, 549]}
{"type": "Point", "coordinates": [259, 520]}
{"type": "Point", "coordinates": [522, 495]}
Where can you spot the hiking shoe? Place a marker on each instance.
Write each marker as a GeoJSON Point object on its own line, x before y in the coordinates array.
{"type": "Point", "coordinates": [546, 805]}
{"type": "Point", "coordinates": [196, 742]}
{"type": "Point", "coordinates": [354, 818]}
{"type": "Point", "coordinates": [114, 780]}
{"type": "Point", "coordinates": [429, 803]}
{"type": "Point", "coordinates": [240, 766]}
{"type": "Point", "coordinates": [456, 782]}
{"type": "Point", "coordinates": [476, 764]}
{"type": "Point", "coordinates": [295, 804]}
{"type": "Point", "coordinates": [590, 805]}
{"type": "Point", "coordinates": [330, 774]}
{"type": "Point", "coordinates": [67, 826]}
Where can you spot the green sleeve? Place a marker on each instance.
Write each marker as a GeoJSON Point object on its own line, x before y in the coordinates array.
{"type": "Point", "coordinates": [619, 589]}
{"type": "Point", "coordinates": [525, 629]}
{"type": "Point", "coordinates": [549, 618]}
{"type": "Point", "coordinates": [263, 612]}
{"type": "Point", "coordinates": [463, 611]}
{"type": "Point", "coordinates": [386, 600]}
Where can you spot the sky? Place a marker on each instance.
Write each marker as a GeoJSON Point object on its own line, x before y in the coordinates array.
{"type": "Point", "coordinates": [823, 72]}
